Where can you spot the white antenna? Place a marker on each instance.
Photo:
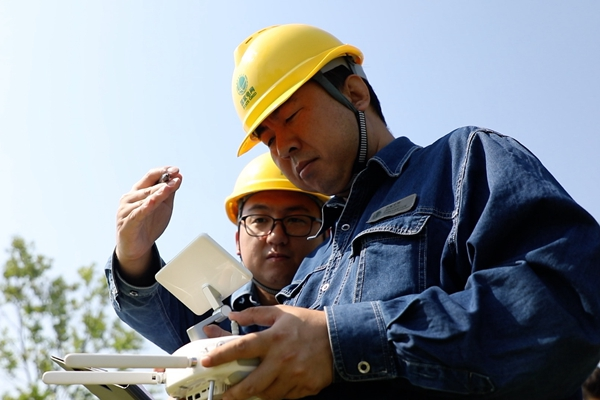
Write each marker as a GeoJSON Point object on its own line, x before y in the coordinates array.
{"type": "Point", "coordinates": [199, 277]}
{"type": "Point", "coordinates": [183, 376]}
{"type": "Point", "coordinates": [83, 360]}
{"type": "Point", "coordinates": [103, 378]}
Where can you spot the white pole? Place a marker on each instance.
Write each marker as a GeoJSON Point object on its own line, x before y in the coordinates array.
{"type": "Point", "coordinates": [83, 360]}
{"type": "Point", "coordinates": [102, 378]}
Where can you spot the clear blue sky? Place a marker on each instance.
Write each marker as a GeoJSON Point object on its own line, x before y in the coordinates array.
{"type": "Point", "coordinates": [95, 93]}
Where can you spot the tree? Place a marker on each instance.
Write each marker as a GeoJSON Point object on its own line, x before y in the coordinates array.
{"type": "Point", "coordinates": [42, 316]}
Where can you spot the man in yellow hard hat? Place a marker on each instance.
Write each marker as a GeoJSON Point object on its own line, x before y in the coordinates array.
{"type": "Point", "coordinates": [457, 270]}
{"type": "Point", "coordinates": [272, 251]}
{"type": "Point", "coordinates": [274, 219]}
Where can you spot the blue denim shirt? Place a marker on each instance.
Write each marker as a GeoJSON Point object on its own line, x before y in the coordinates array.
{"type": "Point", "coordinates": [158, 315]}
{"type": "Point", "coordinates": [455, 270]}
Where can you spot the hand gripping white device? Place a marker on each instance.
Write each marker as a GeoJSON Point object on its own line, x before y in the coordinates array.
{"type": "Point", "coordinates": [184, 376]}
{"type": "Point", "coordinates": [200, 276]}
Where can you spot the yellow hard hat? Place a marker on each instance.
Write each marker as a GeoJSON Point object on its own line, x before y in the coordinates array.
{"type": "Point", "coordinates": [273, 63]}
{"type": "Point", "coordinates": [259, 175]}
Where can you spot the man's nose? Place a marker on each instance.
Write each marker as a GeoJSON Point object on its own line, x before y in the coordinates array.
{"type": "Point", "coordinates": [277, 234]}
{"type": "Point", "coordinates": [286, 144]}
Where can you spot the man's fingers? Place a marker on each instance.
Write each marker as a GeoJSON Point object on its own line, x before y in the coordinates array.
{"type": "Point", "coordinates": [294, 353]}
{"type": "Point", "coordinates": [152, 177]}
{"type": "Point", "coordinates": [263, 316]}
{"type": "Point", "coordinates": [259, 380]}
{"type": "Point", "coordinates": [127, 210]}
{"type": "Point", "coordinates": [135, 211]}
{"type": "Point", "coordinates": [147, 199]}
{"type": "Point", "coordinates": [156, 190]}
{"type": "Point", "coordinates": [267, 382]}
{"type": "Point", "coordinates": [213, 331]}
{"type": "Point", "coordinates": [247, 346]}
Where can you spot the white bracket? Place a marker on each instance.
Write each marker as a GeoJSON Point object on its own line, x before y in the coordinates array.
{"type": "Point", "coordinates": [220, 313]}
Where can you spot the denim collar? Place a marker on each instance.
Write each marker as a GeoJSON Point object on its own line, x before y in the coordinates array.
{"type": "Point", "coordinates": [393, 156]}
{"type": "Point", "coordinates": [390, 160]}
{"type": "Point", "coordinates": [244, 297]}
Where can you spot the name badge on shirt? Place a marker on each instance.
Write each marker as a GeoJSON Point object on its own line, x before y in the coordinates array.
{"type": "Point", "coordinates": [397, 207]}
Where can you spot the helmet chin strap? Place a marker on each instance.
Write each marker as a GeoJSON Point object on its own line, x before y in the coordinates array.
{"type": "Point", "coordinates": [361, 157]}
{"type": "Point", "coordinates": [267, 289]}
{"type": "Point", "coordinates": [360, 161]}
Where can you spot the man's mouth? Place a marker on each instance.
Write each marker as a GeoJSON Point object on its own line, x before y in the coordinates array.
{"type": "Point", "coordinates": [276, 255]}
{"type": "Point", "coordinates": [301, 166]}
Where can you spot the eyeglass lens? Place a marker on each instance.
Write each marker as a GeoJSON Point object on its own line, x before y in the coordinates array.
{"type": "Point", "coordinates": [293, 225]}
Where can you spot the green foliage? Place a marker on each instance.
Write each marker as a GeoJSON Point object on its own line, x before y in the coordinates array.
{"type": "Point", "coordinates": [41, 315]}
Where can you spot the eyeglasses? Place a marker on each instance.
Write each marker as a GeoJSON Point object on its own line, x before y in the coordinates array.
{"type": "Point", "coordinates": [258, 225]}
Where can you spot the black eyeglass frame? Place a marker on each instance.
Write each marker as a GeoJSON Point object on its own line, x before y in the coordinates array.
{"type": "Point", "coordinates": [275, 220]}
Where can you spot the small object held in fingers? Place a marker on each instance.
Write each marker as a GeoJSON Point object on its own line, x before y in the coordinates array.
{"type": "Point", "coordinates": [165, 178]}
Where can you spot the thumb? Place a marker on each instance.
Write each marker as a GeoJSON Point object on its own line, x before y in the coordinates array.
{"type": "Point", "coordinates": [213, 331]}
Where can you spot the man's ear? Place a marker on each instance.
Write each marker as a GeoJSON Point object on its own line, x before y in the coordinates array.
{"type": "Point", "coordinates": [237, 243]}
{"type": "Point", "coordinates": [357, 91]}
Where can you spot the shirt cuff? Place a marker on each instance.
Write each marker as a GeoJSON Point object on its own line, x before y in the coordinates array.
{"type": "Point", "coordinates": [359, 343]}
{"type": "Point", "coordinates": [124, 288]}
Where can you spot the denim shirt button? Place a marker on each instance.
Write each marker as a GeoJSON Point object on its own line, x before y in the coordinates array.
{"type": "Point", "coordinates": [133, 293]}
{"type": "Point", "coordinates": [325, 287]}
{"type": "Point", "coordinates": [345, 227]}
{"type": "Point", "coordinates": [364, 367]}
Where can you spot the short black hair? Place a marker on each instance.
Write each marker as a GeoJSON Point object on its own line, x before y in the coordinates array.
{"type": "Point", "coordinates": [337, 76]}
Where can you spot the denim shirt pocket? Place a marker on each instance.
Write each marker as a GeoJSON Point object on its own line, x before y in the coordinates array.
{"type": "Point", "coordinates": [389, 258]}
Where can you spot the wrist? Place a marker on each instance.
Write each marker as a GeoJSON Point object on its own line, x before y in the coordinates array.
{"type": "Point", "coordinates": [138, 271]}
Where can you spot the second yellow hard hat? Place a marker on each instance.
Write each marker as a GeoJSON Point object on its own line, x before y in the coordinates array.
{"type": "Point", "coordinates": [259, 175]}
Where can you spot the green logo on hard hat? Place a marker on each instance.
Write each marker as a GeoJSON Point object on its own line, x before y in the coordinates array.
{"type": "Point", "coordinates": [242, 84]}
{"type": "Point", "coordinates": [243, 90]}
